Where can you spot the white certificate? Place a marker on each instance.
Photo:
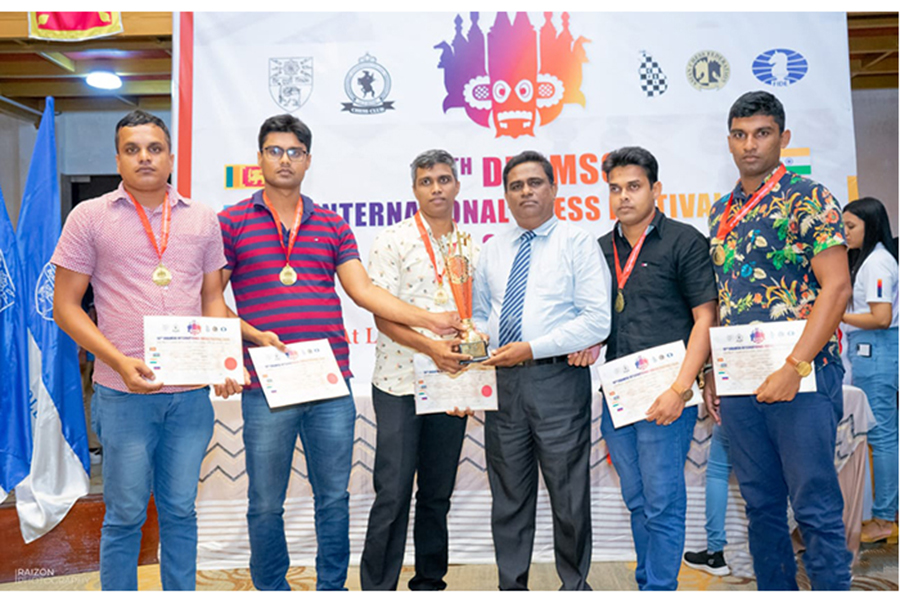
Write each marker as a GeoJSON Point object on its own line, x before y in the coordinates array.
{"type": "Point", "coordinates": [631, 384]}
{"type": "Point", "coordinates": [193, 350]}
{"type": "Point", "coordinates": [437, 391]}
{"type": "Point", "coordinates": [744, 355]}
{"type": "Point", "coordinates": [308, 371]}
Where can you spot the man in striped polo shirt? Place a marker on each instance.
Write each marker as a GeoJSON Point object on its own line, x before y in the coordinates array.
{"type": "Point", "coordinates": [282, 254]}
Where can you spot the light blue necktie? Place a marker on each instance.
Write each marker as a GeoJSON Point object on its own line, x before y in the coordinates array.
{"type": "Point", "coordinates": [514, 299]}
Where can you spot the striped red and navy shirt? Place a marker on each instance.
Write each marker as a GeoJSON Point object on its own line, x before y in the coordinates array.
{"type": "Point", "coordinates": [308, 310]}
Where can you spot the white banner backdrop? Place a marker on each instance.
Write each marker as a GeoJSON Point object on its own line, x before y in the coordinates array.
{"type": "Point", "coordinates": [378, 88]}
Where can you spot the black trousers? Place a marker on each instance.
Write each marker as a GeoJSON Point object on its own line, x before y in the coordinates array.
{"type": "Point", "coordinates": [408, 447]}
{"type": "Point", "coordinates": [543, 419]}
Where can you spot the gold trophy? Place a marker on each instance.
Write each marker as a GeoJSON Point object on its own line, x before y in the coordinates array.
{"type": "Point", "coordinates": [458, 266]}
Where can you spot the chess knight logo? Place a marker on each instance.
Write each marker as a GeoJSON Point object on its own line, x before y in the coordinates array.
{"type": "Point", "coordinates": [291, 81]}
{"type": "Point", "coordinates": [519, 79]}
{"type": "Point", "coordinates": [367, 84]}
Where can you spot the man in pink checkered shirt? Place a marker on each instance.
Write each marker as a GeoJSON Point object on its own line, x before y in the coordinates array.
{"type": "Point", "coordinates": [147, 251]}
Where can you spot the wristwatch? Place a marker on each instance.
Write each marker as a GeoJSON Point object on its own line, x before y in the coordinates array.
{"type": "Point", "coordinates": [685, 394]}
{"type": "Point", "coordinates": [802, 367]}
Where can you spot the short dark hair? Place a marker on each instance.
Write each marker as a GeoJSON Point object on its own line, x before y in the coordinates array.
{"type": "Point", "coordinates": [140, 117]}
{"type": "Point", "coordinates": [877, 229]}
{"type": "Point", "coordinates": [429, 158]}
{"type": "Point", "coordinates": [757, 103]}
{"type": "Point", "coordinates": [633, 155]}
{"type": "Point", "coordinates": [526, 157]}
{"type": "Point", "coordinates": [286, 124]}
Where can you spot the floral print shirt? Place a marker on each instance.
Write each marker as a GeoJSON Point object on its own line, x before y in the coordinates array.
{"type": "Point", "coordinates": [767, 274]}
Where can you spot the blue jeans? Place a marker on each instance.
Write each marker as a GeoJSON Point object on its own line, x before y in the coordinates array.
{"type": "Point", "coordinates": [325, 428]}
{"type": "Point", "coordinates": [876, 375]}
{"type": "Point", "coordinates": [787, 449]}
{"type": "Point", "coordinates": [718, 470]}
{"type": "Point", "coordinates": [151, 442]}
{"type": "Point", "coordinates": [649, 459]}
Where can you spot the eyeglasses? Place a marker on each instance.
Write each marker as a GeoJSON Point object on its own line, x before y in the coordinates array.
{"type": "Point", "coordinates": [276, 152]}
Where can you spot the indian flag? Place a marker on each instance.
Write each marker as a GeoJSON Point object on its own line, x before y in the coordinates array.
{"type": "Point", "coordinates": [796, 160]}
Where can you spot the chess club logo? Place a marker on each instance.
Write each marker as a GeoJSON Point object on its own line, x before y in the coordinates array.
{"type": "Point", "coordinates": [780, 67]}
{"type": "Point", "coordinates": [653, 81]}
{"type": "Point", "coordinates": [291, 81]}
{"type": "Point", "coordinates": [641, 363]}
{"type": "Point", "coordinates": [43, 292]}
{"type": "Point", "coordinates": [367, 84]}
{"type": "Point", "coordinates": [7, 289]}
{"type": "Point", "coordinates": [757, 336]}
{"type": "Point", "coordinates": [529, 77]}
{"type": "Point", "coordinates": [193, 328]}
{"type": "Point", "coordinates": [708, 70]}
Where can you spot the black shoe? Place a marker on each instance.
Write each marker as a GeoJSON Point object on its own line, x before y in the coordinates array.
{"type": "Point", "coordinates": [704, 561]}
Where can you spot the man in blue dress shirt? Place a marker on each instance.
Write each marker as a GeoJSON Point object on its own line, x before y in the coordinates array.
{"type": "Point", "coordinates": [541, 291]}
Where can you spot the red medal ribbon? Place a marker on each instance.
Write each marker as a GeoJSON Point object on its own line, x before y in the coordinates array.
{"type": "Point", "coordinates": [726, 225]}
{"type": "Point", "coordinates": [166, 222]}
{"type": "Point", "coordinates": [622, 276]}
{"type": "Point", "coordinates": [295, 228]}
{"type": "Point", "coordinates": [426, 239]}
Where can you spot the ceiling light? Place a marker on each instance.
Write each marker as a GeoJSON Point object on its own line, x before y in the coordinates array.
{"type": "Point", "coordinates": [104, 80]}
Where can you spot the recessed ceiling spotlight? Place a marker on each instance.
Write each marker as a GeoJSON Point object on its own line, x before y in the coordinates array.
{"type": "Point", "coordinates": [104, 80]}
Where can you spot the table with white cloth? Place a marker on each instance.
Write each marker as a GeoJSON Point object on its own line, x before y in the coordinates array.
{"type": "Point", "coordinates": [222, 497]}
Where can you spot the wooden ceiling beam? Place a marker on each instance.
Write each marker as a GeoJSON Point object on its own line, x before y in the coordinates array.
{"type": "Point", "coordinates": [15, 25]}
{"type": "Point", "coordinates": [33, 47]}
{"type": "Point", "coordinates": [869, 82]}
{"type": "Point", "coordinates": [59, 59]}
{"type": "Point", "coordinates": [863, 45]}
{"type": "Point", "coordinates": [68, 88]}
{"type": "Point", "coordinates": [885, 66]}
{"type": "Point", "coordinates": [858, 21]}
{"type": "Point", "coordinates": [123, 67]}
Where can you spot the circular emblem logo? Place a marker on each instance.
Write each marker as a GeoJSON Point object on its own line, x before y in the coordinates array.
{"type": "Point", "coordinates": [367, 84]}
{"type": "Point", "coordinates": [708, 70]}
{"type": "Point", "coordinates": [43, 292]}
{"type": "Point", "coordinates": [780, 67]}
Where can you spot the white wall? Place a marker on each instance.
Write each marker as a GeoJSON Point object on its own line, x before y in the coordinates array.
{"type": "Point", "coordinates": [84, 142]}
{"type": "Point", "coordinates": [875, 122]}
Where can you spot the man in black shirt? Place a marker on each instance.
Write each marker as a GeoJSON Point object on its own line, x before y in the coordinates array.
{"type": "Point", "coordinates": [666, 291]}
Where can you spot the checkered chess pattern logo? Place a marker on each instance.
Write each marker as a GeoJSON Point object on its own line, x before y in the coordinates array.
{"type": "Point", "coordinates": [653, 81]}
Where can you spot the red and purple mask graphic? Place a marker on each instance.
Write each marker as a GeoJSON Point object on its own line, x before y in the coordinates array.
{"type": "Point", "coordinates": [518, 77]}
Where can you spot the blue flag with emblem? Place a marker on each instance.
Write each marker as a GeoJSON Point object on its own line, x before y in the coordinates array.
{"type": "Point", "coordinates": [60, 463]}
{"type": "Point", "coordinates": [15, 434]}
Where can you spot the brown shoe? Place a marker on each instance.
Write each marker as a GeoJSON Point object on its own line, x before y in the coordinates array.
{"type": "Point", "coordinates": [877, 530]}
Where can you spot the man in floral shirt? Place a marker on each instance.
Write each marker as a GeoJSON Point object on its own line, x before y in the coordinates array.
{"type": "Point", "coordinates": [777, 244]}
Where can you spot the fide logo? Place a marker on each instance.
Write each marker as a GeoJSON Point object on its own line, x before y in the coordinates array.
{"type": "Point", "coordinates": [708, 70]}
{"type": "Point", "coordinates": [367, 84]}
{"type": "Point", "coordinates": [780, 67]}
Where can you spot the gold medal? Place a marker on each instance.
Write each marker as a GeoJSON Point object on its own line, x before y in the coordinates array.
{"type": "Point", "coordinates": [161, 276]}
{"type": "Point", "coordinates": [718, 256]}
{"type": "Point", "coordinates": [620, 301]}
{"type": "Point", "coordinates": [288, 275]}
{"type": "Point", "coordinates": [440, 296]}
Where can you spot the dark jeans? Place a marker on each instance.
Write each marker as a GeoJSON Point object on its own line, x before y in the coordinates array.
{"type": "Point", "coordinates": [409, 446]}
{"type": "Point", "coordinates": [786, 449]}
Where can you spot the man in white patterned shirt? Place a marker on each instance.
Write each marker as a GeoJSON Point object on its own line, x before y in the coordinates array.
{"type": "Point", "coordinates": [407, 261]}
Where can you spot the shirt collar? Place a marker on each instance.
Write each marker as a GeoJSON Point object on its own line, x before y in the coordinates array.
{"type": "Point", "coordinates": [545, 229]}
{"type": "Point", "coordinates": [658, 224]}
{"type": "Point", "coordinates": [174, 196]}
{"type": "Point", "coordinates": [308, 205]}
{"type": "Point", "coordinates": [738, 192]}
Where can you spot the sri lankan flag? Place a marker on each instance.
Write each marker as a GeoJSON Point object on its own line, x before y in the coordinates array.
{"type": "Point", "coordinates": [797, 160]}
{"type": "Point", "coordinates": [239, 177]}
{"type": "Point", "coordinates": [73, 26]}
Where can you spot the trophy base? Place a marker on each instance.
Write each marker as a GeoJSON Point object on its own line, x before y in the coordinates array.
{"type": "Point", "coordinates": [477, 350]}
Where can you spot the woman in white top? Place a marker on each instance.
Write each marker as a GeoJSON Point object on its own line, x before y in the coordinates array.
{"type": "Point", "coordinates": [872, 347]}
